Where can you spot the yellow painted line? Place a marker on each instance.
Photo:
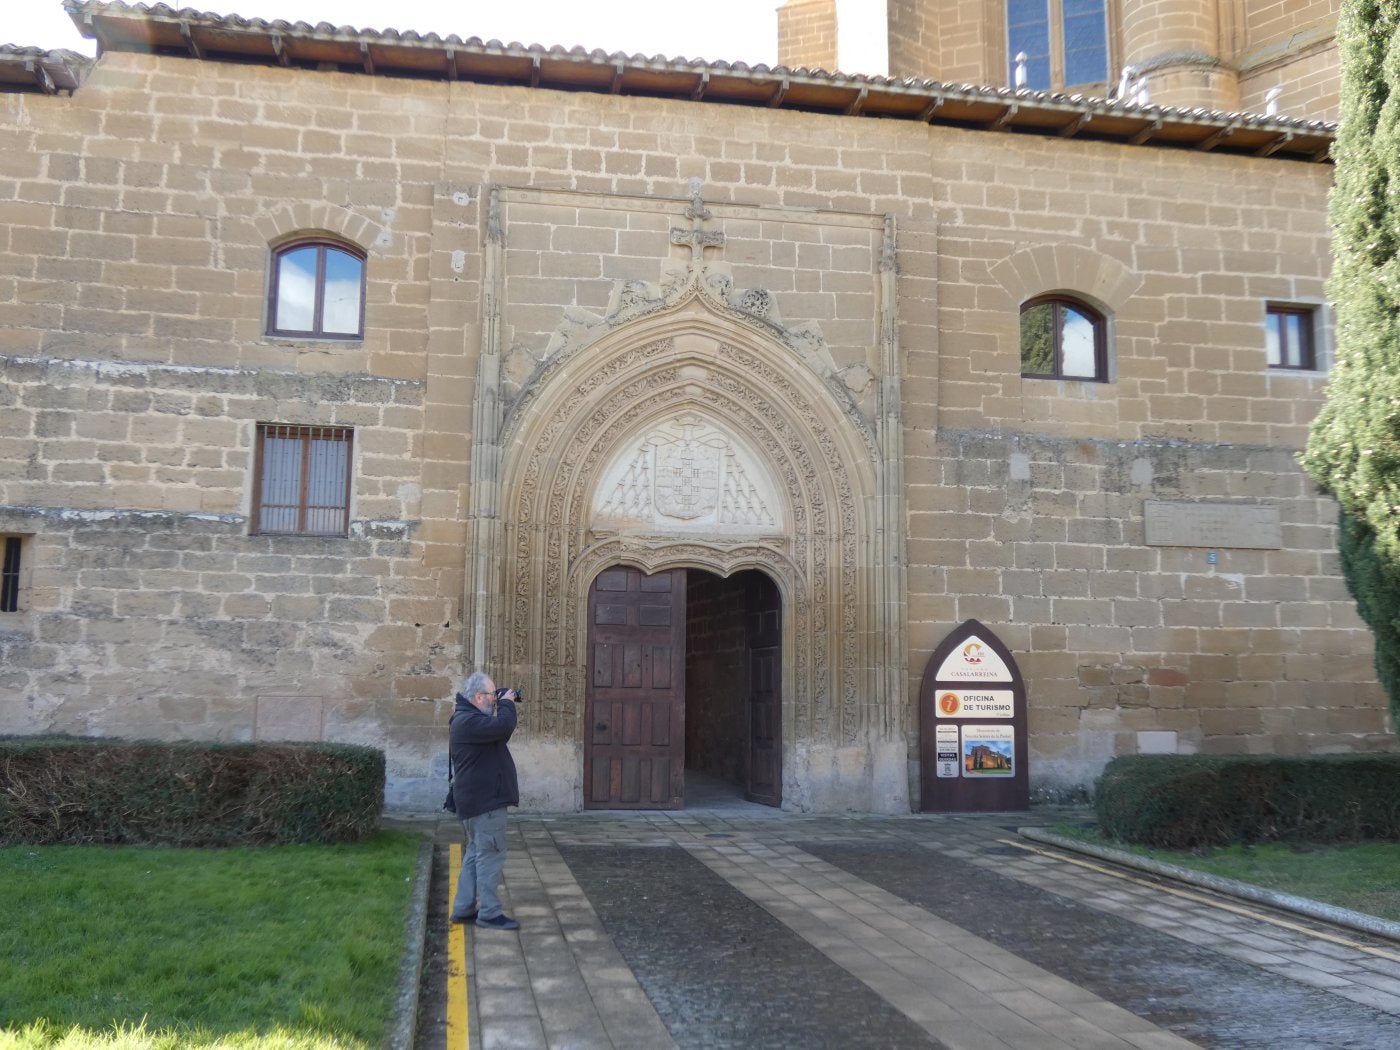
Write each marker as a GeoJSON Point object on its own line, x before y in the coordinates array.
{"type": "Point", "coordinates": [1214, 902]}
{"type": "Point", "coordinates": [458, 1026]}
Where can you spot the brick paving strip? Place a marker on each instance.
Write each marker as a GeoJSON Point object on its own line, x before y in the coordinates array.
{"type": "Point", "coordinates": [559, 982]}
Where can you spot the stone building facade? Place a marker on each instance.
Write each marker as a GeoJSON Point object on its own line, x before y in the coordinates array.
{"type": "Point", "coordinates": [752, 338]}
{"type": "Point", "coordinates": [1222, 55]}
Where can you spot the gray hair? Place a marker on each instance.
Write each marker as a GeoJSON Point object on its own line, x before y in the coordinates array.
{"type": "Point", "coordinates": [474, 683]}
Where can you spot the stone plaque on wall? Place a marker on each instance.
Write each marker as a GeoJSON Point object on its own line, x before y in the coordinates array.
{"type": "Point", "coordinates": [1247, 525]}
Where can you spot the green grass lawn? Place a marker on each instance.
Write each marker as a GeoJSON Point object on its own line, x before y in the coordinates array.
{"type": "Point", "coordinates": [294, 947]}
{"type": "Point", "coordinates": [1363, 877]}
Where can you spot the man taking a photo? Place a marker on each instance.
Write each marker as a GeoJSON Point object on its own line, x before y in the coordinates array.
{"type": "Point", "coordinates": [483, 785]}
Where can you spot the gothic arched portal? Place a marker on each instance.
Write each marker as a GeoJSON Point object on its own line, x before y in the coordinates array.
{"type": "Point", "coordinates": [685, 434]}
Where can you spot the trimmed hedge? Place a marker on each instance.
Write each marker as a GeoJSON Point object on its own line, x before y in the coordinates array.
{"type": "Point", "coordinates": [1191, 801]}
{"type": "Point", "coordinates": [83, 791]}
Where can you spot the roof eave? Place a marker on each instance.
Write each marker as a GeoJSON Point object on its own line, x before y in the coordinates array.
{"type": "Point", "coordinates": [162, 29]}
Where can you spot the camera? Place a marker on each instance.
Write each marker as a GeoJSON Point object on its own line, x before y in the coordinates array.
{"type": "Point", "coordinates": [504, 694]}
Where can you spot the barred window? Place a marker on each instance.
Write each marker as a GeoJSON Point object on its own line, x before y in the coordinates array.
{"type": "Point", "coordinates": [1063, 339]}
{"type": "Point", "coordinates": [317, 291]}
{"type": "Point", "coordinates": [302, 480]}
{"type": "Point", "coordinates": [11, 567]}
{"type": "Point", "coordinates": [1288, 336]}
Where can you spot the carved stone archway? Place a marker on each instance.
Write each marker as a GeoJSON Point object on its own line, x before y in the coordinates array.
{"type": "Point", "coordinates": [583, 469]}
{"type": "Point", "coordinates": [554, 544]}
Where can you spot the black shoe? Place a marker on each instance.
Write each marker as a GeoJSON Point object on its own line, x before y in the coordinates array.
{"type": "Point", "coordinates": [469, 917]}
{"type": "Point", "coordinates": [499, 922]}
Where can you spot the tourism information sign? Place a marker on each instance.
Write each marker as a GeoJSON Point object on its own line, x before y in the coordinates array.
{"type": "Point", "coordinates": [972, 726]}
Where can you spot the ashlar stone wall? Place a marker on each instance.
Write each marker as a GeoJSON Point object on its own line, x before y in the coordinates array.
{"type": "Point", "coordinates": [136, 218]}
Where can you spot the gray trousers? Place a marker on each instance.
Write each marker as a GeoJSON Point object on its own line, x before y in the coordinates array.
{"type": "Point", "coordinates": [482, 861]}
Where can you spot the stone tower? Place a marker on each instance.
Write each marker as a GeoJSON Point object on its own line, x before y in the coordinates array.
{"type": "Point", "coordinates": [1215, 55]}
{"type": "Point", "coordinates": [807, 34]}
{"type": "Point", "coordinates": [1176, 46]}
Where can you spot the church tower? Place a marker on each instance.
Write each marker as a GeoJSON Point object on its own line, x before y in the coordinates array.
{"type": "Point", "coordinates": [1215, 55]}
{"type": "Point", "coordinates": [807, 34]}
{"type": "Point", "coordinates": [1174, 48]}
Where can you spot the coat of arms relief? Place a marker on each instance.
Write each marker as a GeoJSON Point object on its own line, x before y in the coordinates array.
{"type": "Point", "coordinates": [683, 475]}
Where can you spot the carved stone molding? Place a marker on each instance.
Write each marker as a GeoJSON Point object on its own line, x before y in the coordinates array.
{"type": "Point", "coordinates": [690, 426]}
{"type": "Point", "coordinates": [684, 474]}
{"type": "Point", "coordinates": [755, 308]}
{"type": "Point", "coordinates": [595, 431]}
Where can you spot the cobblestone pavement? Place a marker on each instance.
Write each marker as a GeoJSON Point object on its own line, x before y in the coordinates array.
{"type": "Point", "coordinates": [740, 926]}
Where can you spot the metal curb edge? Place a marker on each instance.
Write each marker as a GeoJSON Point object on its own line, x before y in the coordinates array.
{"type": "Point", "coordinates": [403, 1025]}
{"type": "Point", "coordinates": [1353, 920]}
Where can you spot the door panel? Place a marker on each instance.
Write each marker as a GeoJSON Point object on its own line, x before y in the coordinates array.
{"type": "Point", "coordinates": [634, 750]}
{"type": "Point", "coordinates": [764, 727]}
{"type": "Point", "coordinates": [765, 630]}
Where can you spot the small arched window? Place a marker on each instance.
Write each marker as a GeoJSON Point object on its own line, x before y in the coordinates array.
{"type": "Point", "coordinates": [317, 291]}
{"type": "Point", "coordinates": [1063, 339]}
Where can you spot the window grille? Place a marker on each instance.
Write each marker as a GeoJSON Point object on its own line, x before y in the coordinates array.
{"type": "Point", "coordinates": [302, 484]}
{"type": "Point", "coordinates": [10, 575]}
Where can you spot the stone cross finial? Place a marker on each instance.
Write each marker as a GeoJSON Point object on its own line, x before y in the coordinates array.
{"type": "Point", "coordinates": [697, 239]}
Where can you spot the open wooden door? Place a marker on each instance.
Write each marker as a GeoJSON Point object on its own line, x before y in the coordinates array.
{"type": "Point", "coordinates": [634, 744]}
{"type": "Point", "coordinates": [765, 637]}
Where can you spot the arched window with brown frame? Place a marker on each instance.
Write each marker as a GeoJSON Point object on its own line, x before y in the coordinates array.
{"type": "Point", "coordinates": [1062, 338]}
{"type": "Point", "coordinates": [317, 290]}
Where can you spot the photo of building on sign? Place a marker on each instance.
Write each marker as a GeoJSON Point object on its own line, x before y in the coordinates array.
{"type": "Point", "coordinates": [987, 751]}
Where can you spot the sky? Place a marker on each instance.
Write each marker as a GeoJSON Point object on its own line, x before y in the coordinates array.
{"type": "Point", "coordinates": [715, 30]}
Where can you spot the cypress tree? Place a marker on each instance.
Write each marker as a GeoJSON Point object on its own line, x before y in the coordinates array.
{"type": "Point", "coordinates": [1353, 448]}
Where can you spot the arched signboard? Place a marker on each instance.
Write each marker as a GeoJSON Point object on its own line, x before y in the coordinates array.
{"type": "Point", "coordinates": [972, 726]}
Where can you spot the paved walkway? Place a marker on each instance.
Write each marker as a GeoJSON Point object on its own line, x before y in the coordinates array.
{"type": "Point", "coordinates": [732, 925]}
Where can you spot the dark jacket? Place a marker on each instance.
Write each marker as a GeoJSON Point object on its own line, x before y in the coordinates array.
{"type": "Point", "coordinates": [483, 773]}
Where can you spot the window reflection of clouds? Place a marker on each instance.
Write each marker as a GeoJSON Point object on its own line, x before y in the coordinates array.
{"type": "Point", "coordinates": [341, 311]}
{"type": "Point", "coordinates": [1288, 338]}
{"type": "Point", "coordinates": [1077, 345]}
{"type": "Point", "coordinates": [296, 290]}
{"type": "Point", "coordinates": [328, 304]}
{"type": "Point", "coordinates": [1272, 347]}
{"type": "Point", "coordinates": [1062, 340]}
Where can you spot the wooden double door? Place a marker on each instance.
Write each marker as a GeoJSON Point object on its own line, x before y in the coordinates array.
{"type": "Point", "coordinates": [634, 743]}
